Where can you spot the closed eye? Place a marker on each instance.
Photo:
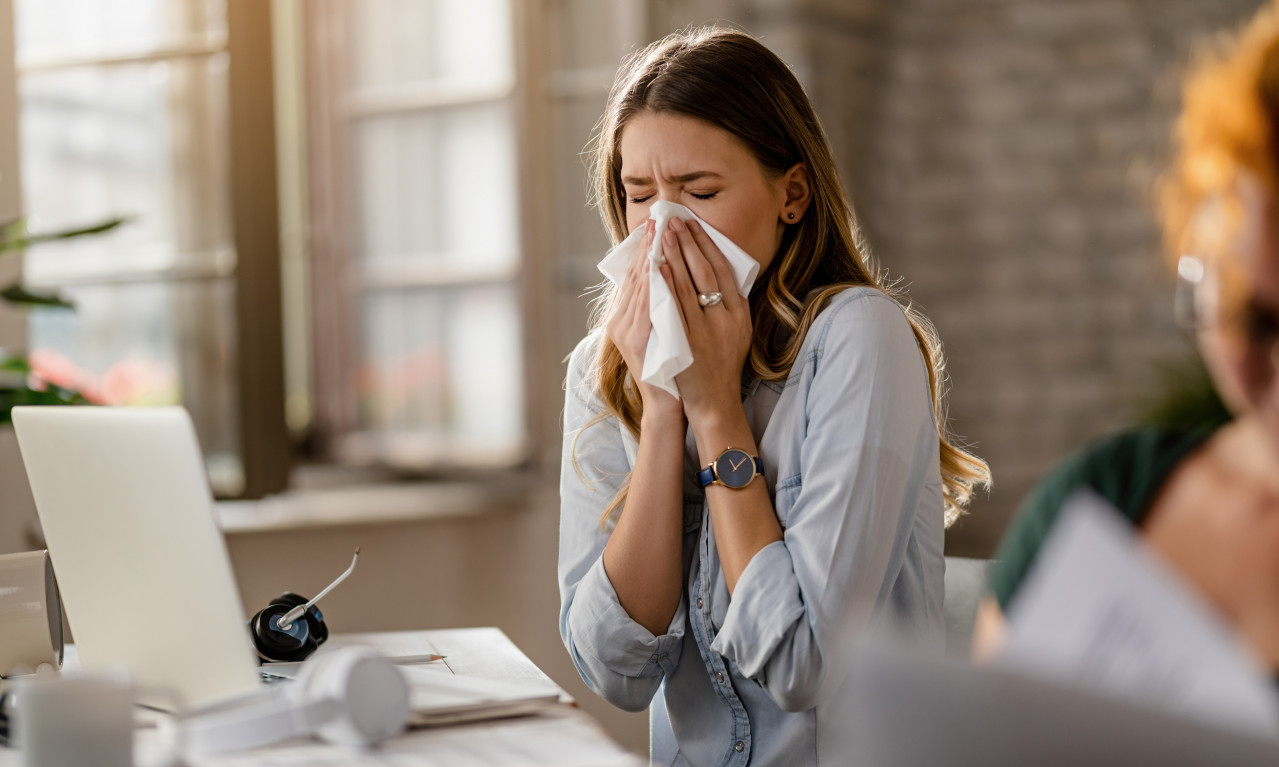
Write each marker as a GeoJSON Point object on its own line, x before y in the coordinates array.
{"type": "Point", "coordinates": [704, 196]}
{"type": "Point", "coordinates": [640, 200]}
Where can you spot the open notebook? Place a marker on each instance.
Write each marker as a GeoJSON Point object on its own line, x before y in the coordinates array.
{"type": "Point", "coordinates": [439, 698]}
{"type": "Point", "coordinates": [482, 677]}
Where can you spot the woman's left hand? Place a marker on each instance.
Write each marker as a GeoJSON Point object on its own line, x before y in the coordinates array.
{"type": "Point", "coordinates": [719, 335]}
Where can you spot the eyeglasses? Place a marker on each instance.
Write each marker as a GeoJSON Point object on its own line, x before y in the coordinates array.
{"type": "Point", "coordinates": [1207, 299]}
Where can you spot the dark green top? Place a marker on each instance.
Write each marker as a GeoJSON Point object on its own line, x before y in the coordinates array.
{"type": "Point", "coordinates": [1127, 469]}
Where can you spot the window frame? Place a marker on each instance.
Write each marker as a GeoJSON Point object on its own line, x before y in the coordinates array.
{"type": "Point", "coordinates": [13, 324]}
{"type": "Point", "coordinates": [266, 451]}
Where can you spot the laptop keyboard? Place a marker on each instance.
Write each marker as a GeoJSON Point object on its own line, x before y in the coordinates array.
{"type": "Point", "coordinates": [269, 678]}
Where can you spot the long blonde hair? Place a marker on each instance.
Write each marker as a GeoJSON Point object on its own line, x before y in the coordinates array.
{"type": "Point", "coordinates": [730, 80]}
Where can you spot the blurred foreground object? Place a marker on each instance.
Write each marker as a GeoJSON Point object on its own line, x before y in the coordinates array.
{"type": "Point", "coordinates": [1101, 610]}
{"type": "Point", "coordinates": [908, 710]}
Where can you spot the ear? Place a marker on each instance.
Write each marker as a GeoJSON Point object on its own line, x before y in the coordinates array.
{"type": "Point", "coordinates": [798, 190]}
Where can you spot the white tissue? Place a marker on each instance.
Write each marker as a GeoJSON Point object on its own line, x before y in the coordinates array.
{"type": "Point", "coordinates": [668, 353]}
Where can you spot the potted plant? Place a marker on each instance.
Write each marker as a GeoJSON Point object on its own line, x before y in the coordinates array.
{"type": "Point", "coordinates": [21, 382]}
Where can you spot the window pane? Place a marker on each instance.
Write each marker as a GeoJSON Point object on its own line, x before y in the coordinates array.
{"type": "Point", "coordinates": [145, 141]}
{"type": "Point", "coordinates": [443, 366]}
{"type": "Point", "coordinates": [80, 28]}
{"type": "Point", "coordinates": [436, 368]}
{"type": "Point", "coordinates": [438, 183]}
{"type": "Point", "coordinates": [152, 343]}
{"type": "Point", "coordinates": [395, 42]}
{"type": "Point", "coordinates": [148, 141]}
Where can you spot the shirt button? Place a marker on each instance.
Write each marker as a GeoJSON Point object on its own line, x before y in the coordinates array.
{"type": "Point", "coordinates": [719, 677]}
{"type": "Point", "coordinates": [739, 747]}
{"type": "Point", "coordinates": [699, 603]}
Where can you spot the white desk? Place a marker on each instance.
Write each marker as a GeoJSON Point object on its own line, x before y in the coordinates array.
{"type": "Point", "coordinates": [559, 736]}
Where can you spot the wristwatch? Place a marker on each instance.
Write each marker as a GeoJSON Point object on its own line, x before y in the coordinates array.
{"type": "Point", "coordinates": [735, 468]}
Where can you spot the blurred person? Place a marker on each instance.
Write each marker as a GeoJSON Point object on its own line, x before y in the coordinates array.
{"type": "Point", "coordinates": [1205, 498]}
{"type": "Point", "coordinates": [718, 604]}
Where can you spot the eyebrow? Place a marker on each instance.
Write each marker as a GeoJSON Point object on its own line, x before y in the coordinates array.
{"type": "Point", "coordinates": [683, 178]}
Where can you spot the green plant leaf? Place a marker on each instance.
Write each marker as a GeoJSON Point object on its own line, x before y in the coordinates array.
{"type": "Point", "coordinates": [12, 230]}
{"type": "Point", "coordinates": [17, 294]}
{"type": "Point", "coordinates": [14, 236]}
{"type": "Point", "coordinates": [15, 364]}
{"type": "Point", "coordinates": [11, 397]}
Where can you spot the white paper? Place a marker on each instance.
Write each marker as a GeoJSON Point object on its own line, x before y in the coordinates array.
{"type": "Point", "coordinates": [1099, 609]}
{"type": "Point", "coordinates": [436, 698]}
{"type": "Point", "coordinates": [668, 353]}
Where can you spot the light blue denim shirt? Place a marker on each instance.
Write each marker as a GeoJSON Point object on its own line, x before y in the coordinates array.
{"type": "Point", "coordinates": [850, 453]}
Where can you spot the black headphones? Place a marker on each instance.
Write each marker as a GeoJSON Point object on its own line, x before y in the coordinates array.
{"type": "Point", "coordinates": [295, 643]}
{"type": "Point", "coordinates": [291, 627]}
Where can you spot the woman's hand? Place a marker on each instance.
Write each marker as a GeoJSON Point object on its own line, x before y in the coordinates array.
{"type": "Point", "coordinates": [719, 335]}
{"type": "Point", "coordinates": [629, 328]}
{"type": "Point", "coordinates": [643, 558]}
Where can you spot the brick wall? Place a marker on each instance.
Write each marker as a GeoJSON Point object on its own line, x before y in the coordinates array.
{"type": "Point", "coordinates": [1010, 181]}
{"type": "Point", "coordinates": [1001, 155]}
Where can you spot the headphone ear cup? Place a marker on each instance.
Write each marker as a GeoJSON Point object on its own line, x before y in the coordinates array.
{"type": "Point", "coordinates": [276, 644]}
{"type": "Point", "coordinates": [319, 629]}
{"type": "Point", "coordinates": [370, 694]}
{"type": "Point", "coordinates": [289, 599]}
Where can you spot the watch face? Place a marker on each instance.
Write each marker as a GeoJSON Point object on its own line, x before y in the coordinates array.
{"type": "Point", "coordinates": [735, 468]}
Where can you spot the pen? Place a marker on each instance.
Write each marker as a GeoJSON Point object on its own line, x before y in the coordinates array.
{"type": "Point", "coordinates": [404, 660]}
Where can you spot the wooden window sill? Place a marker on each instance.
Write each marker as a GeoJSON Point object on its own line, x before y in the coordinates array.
{"type": "Point", "coordinates": [374, 504]}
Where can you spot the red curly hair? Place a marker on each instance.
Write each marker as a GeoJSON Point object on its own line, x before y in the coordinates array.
{"type": "Point", "coordinates": [1228, 129]}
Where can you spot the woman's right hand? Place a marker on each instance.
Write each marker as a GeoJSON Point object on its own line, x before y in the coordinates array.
{"type": "Point", "coordinates": [629, 328]}
{"type": "Point", "coordinates": [644, 554]}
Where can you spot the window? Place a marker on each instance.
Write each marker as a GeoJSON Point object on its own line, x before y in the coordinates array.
{"type": "Point", "coordinates": [397, 291]}
{"type": "Point", "coordinates": [126, 109]}
{"type": "Point", "coordinates": [416, 232]}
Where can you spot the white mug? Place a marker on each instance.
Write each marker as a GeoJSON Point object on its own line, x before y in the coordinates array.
{"type": "Point", "coordinates": [74, 720]}
{"type": "Point", "coordinates": [30, 613]}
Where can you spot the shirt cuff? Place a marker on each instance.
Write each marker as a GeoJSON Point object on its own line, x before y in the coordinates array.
{"type": "Point", "coordinates": [604, 630]}
{"type": "Point", "coordinates": [762, 611]}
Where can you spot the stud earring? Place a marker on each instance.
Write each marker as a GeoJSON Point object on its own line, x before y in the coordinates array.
{"type": "Point", "coordinates": [791, 216]}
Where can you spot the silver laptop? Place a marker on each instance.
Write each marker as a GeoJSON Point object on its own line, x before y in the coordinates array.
{"type": "Point", "coordinates": [146, 581]}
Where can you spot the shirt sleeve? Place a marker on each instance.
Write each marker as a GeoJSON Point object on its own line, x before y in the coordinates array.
{"type": "Point", "coordinates": [869, 487]}
{"type": "Point", "coordinates": [619, 659]}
